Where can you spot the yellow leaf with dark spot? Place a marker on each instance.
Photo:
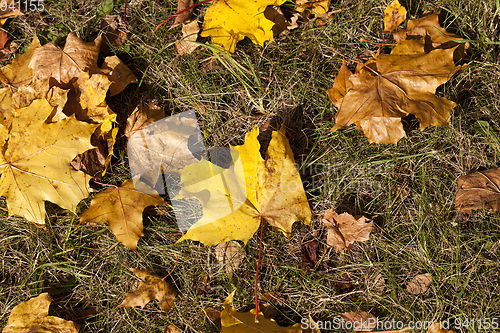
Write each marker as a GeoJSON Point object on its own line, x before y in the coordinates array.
{"type": "Point", "coordinates": [394, 15]}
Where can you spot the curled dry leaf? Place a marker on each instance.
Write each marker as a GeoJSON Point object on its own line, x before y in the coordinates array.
{"type": "Point", "coordinates": [33, 316]}
{"type": "Point", "coordinates": [122, 207]}
{"type": "Point", "coordinates": [35, 163]}
{"type": "Point", "coordinates": [394, 15]}
{"type": "Point", "coordinates": [235, 200]}
{"type": "Point", "coordinates": [479, 190]}
{"type": "Point", "coordinates": [233, 321]}
{"type": "Point", "coordinates": [229, 21]}
{"type": "Point", "coordinates": [186, 14]}
{"type": "Point", "coordinates": [345, 229]}
{"type": "Point", "coordinates": [118, 73]}
{"type": "Point", "coordinates": [142, 116]}
{"type": "Point", "coordinates": [150, 287]}
{"type": "Point", "coordinates": [230, 255]}
{"type": "Point", "coordinates": [361, 321]}
{"type": "Point", "coordinates": [172, 329]}
{"type": "Point", "coordinates": [189, 35]}
{"type": "Point", "coordinates": [391, 86]}
{"type": "Point", "coordinates": [65, 65]}
{"type": "Point", "coordinates": [419, 284]}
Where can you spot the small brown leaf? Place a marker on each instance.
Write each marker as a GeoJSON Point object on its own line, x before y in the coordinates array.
{"type": "Point", "coordinates": [143, 116]}
{"type": "Point", "coordinates": [377, 284]}
{"type": "Point", "coordinates": [437, 328]}
{"type": "Point", "coordinates": [33, 316]}
{"type": "Point", "coordinates": [114, 32]}
{"type": "Point", "coordinates": [150, 287]}
{"type": "Point", "coordinates": [419, 284]}
{"type": "Point", "coordinates": [309, 253]}
{"type": "Point", "coordinates": [230, 255]}
{"type": "Point", "coordinates": [361, 321]}
{"type": "Point", "coordinates": [3, 39]}
{"type": "Point", "coordinates": [186, 14]}
{"type": "Point", "coordinates": [344, 229]}
{"type": "Point", "coordinates": [479, 190]}
{"type": "Point", "coordinates": [172, 329]}
{"type": "Point", "coordinates": [189, 35]}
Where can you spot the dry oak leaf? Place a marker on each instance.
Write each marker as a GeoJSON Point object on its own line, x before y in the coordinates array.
{"type": "Point", "coordinates": [233, 321]}
{"type": "Point", "coordinates": [142, 116]}
{"type": "Point", "coordinates": [18, 72]}
{"type": "Point", "coordinates": [189, 35]}
{"type": "Point", "coordinates": [316, 7]}
{"type": "Point", "coordinates": [235, 200]}
{"type": "Point", "coordinates": [396, 85]}
{"type": "Point", "coordinates": [394, 15]}
{"type": "Point", "coordinates": [435, 36]}
{"type": "Point", "coordinates": [35, 163]}
{"type": "Point", "coordinates": [122, 207]}
{"type": "Point", "coordinates": [479, 190]}
{"type": "Point", "coordinates": [65, 65]}
{"type": "Point", "coordinates": [361, 321]}
{"type": "Point", "coordinates": [229, 21]}
{"type": "Point", "coordinates": [345, 229]}
{"type": "Point", "coordinates": [33, 316]}
{"type": "Point", "coordinates": [150, 287]}
{"type": "Point", "coordinates": [230, 255]}
{"type": "Point", "coordinates": [419, 284]}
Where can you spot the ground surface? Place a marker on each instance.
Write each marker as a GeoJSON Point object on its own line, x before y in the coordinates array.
{"type": "Point", "coordinates": [407, 189]}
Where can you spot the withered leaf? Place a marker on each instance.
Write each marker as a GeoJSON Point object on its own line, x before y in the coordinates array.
{"type": "Point", "coordinates": [150, 287]}
{"type": "Point", "coordinates": [361, 321]}
{"type": "Point", "coordinates": [438, 328]}
{"type": "Point", "coordinates": [118, 73]}
{"type": "Point", "coordinates": [419, 284]}
{"type": "Point", "coordinates": [394, 15]}
{"type": "Point", "coordinates": [186, 14]}
{"type": "Point", "coordinates": [18, 72]}
{"type": "Point", "coordinates": [344, 229]}
{"type": "Point", "coordinates": [11, 9]}
{"type": "Point", "coordinates": [230, 255]}
{"type": "Point", "coordinates": [122, 207]}
{"type": "Point", "coordinates": [479, 190]}
{"type": "Point", "coordinates": [142, 116]}
{"type": "Point", "coordinates": [189, 35]}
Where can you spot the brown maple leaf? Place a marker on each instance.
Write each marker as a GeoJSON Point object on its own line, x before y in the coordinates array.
{"type": "Point", "coordinates": [344, 229]}
{"type": "Point", "coordinates": [150, 287]}
{"type": "Point", "coordinates": [391, 86]}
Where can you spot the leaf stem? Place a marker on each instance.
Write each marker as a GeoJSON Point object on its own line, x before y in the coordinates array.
{"type": "Point", "coordinates": [179, 12]}
{"type": "Point", "coordinates": [108, 185]}
{"type": "Point", "coordinates": [257, 271]}
{"type": "Point", "coordinates": [175, 265]}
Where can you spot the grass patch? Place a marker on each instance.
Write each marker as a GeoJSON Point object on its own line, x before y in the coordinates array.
{"type": "Point", "coordinates": [408, 189]}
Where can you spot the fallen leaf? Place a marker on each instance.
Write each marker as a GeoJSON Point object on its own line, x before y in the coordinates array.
{"type": "Point", "coordinates": [394, 85]}
{"type": "Point", "coordinates": [121, 207]}
{"type": "Point", "coordinates": [114, 32]}
{"type": "Point", "coordinates": [434, 35]}
{"type": "Point", "coordinates": [33, 316]}
{"type": "Point", "coordinates": [282, 25]}
{"type": "Point", "coordinates": [172, 329]}
{"type": "Point", "coordinates": [361, 321]}
{"type": "Point", "coordinates": [11, 9]}
{"type": "Point", "coordinates": [163, 147]}
{"type": "Point", "coordinates": [478, 190]}
{"type": "Point", "coordinates": [315, 7]}
{"type": "Point", "coordinates": [229, 21]}
{"type": "Point", "coordinates": [150, 287]}
{"type": "Point", "coordinates": [65, 65]}
{"type": "Point", "coordinates": [189, 35]}
{"type": "Point", "coordinates": [377, 284]}
{"type": "Point", "coordinates": [3, 39]}
{"type": "Point", "coordinates": [118, 73]}
{"type": "Point", "coordinates": [344, 283]}
{"type": "Point", "coordinates": [235, 200]}
{"type": "Point", "coordinates": [438, 328]}
{"type": "Point", "coordinates": [18, 72]}
{"type": "Point", "coordinates": [233, 321]}
{"type": "Point", "coordinates": [142, 116]}
{"type": "Point", "coordinates": [341, 84]}
{"type": "Point", "coordinates": [185, 16]}
{"type": "Point", "coordinates": [419, 284]}
{"type": "Point", "coordinates": [35, 161]}
{"type": "Point", "coordinates": [394, 15]}
{"type": "Point", "coordinates": [213, 315]}
{"type": "Point", "coordinates": [344, 229]}
{"type": "Point", "coordinates": [8, 51]}
{"type": "Point", "coordinates": [230, 255]}
{"type": "Point", "coordinates": [309, 253]}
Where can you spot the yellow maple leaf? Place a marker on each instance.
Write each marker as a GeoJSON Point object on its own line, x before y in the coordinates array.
{"type": "Point", "coordinates": [236, 199]}
{"type": "Point", "coordinates": [121, 207]}
{"type": "Point", "coordinates": [18, 72]}
{"type": "Point", "coordinates": [151, 287]}
{"type": "Point", "coordinates": [229, 21]}
{"type": "Point", "coordinates": [316, 7]}
{"type": "Point", "coordinates": [35, 161]}
{"type": "Point", "coordinates": [33, 316]}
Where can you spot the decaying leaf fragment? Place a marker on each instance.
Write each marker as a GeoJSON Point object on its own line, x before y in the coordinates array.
{"type": "Point", "coordinates": [33, 316]}
{"type": "Point", "coordinates": [345, 229]}
{"type": "Point", "coordinates": [236, 199]}
{"type": "Point", "coordinates": [419, 284]}
{"type": "Point", "coordinates": [391, 86]}
{"type": "Point", "coordinates": [122, 207]}
{"type": "Point", "coordinates": [35, 163]}
{"type": "Point", "coordinates": [394, 15]}
{"type": "Point", "coordinates": [229, 21]}
{"type": "Point", "coordinates": [236, 322]}
{"type": "Point", "coordinates": [230, 255]}
{"type": "Point", "coordinates": [150, 287]}
{"type": "Point", "coordinates": [189, 35]}
{"type": "Point", "coordinates": [183, 5]}
{"type": "Point", "coordinates": [479, 190]}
